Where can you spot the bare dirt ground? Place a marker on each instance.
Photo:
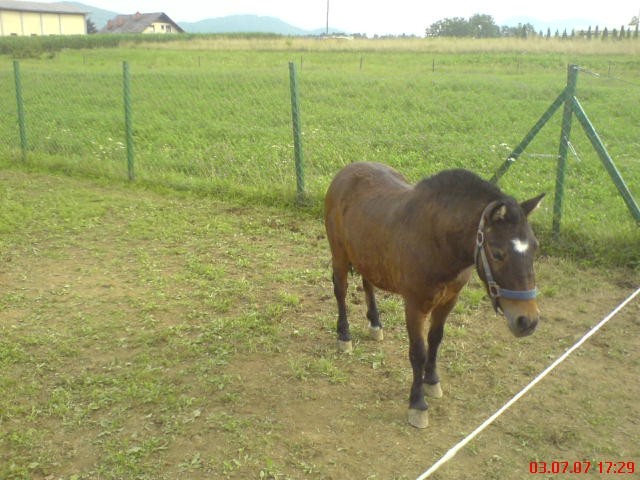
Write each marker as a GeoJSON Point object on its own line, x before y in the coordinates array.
{"type": "Point", "coordinates": [147, 335]}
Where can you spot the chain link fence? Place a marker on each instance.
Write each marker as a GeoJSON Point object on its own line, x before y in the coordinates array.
{"type": "Point", "coordinates": [221, 121]}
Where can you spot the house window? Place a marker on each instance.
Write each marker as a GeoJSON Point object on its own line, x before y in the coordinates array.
{"type": "Point", "coordinates": [168, 28]}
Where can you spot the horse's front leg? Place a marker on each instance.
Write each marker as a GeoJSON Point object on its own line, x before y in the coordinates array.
{"type": "Point", "coordinates": [415, 319]}
{"type": "Point", "coordinates": [436, 331]}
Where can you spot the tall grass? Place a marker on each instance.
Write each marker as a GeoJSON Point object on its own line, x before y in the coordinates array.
{"type": "Point", "coordinates": [26, 47]}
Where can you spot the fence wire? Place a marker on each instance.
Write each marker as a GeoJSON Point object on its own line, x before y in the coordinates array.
{"type": "Point", "coordinates": [221, 121]}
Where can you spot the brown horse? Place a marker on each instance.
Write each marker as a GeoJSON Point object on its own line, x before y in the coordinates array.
{"type": "Point", "coordinates": [422, 242]}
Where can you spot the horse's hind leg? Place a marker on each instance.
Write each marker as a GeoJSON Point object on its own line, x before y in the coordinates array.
{"type": "Point", "coordinates": [340, 279]}
{"type": "Point", "coordinates": [375, 327]}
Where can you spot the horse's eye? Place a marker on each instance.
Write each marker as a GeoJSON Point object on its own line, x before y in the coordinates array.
{"type": "Point", "coordinates": [497, 255]}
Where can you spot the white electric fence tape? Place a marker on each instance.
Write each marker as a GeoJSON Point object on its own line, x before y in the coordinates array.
{"type": "Point", "coordinates": [456, 448]}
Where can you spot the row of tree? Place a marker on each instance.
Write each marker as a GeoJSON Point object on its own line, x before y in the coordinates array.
{"type": "Point", "coordinates": [483, 26]}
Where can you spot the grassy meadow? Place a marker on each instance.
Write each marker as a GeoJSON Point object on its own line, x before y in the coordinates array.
{"type": "Point", "coordinates": [181, 325]}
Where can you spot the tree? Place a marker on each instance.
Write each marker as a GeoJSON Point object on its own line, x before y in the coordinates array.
{"type": "Point", "coordinates": [521, 31]}
{"type": "Point", "coordinates": [91, 27]}
{"type": "Point", "coordinates": [450, 27]}
{"type": "Point", "coordinates": [483, 26]}
{"type": "Point", "coordinates": [526, 30]}
{"type": "Point", "coordinates": [635, 21]}
{"type": "Point", "coordinates": [478, 26]}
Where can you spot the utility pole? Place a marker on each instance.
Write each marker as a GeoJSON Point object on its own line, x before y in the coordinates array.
{"type": "Point", "coordinates": [327, 33]}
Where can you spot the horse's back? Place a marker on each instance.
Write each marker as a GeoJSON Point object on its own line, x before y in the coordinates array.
{"type": "Point", "coordinates": [361, 180]}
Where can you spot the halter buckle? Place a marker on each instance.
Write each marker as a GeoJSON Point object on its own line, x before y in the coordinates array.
{"type": "Point", "coordinates": [494, 289]}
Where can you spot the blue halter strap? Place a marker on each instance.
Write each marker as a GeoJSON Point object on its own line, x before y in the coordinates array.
{"type": "Point", "coordinates": [495, 291]}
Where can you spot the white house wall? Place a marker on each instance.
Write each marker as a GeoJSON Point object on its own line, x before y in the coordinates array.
{"type": "Point", "coordinates": [35, 23]}
{"type": "Point", "coordinates": [160, 27]}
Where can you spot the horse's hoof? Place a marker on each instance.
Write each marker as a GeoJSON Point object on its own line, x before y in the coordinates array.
{"type": "Point", "coordinates": [433, 391]}
{"type": "Point", "coordinates": [345, 347]}
{"type": "Point", "coordinates": [418, 418]}
{"type": "Point", "coordinates": [376, 333]}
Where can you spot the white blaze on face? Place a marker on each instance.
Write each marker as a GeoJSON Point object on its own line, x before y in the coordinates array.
{"type": "Point", "coordinates": [520, 246]}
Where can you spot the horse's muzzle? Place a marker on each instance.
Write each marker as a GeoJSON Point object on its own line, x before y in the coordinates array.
{"type": "Point", "coordinates": [524, 326]}
{"type": "Point", "coordinates": [522, 316]}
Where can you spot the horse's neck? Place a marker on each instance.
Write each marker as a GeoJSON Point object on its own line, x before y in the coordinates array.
{"type": "Point", "coordinates": [460, 228]}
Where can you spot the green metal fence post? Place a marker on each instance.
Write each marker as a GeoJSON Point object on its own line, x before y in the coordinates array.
{"type": "Point", "coordinates": [21, 117]}
{"type": "Point", "coordinates": [569, 94]}
{"type": "Point", "coordinates": [297, 131]}
{"type": "Point", "coordinates": [128, 118]}
{"type": "Point", "coordinates": [515, 154]}
{"type": "Point", "coordinates": [606, 159]}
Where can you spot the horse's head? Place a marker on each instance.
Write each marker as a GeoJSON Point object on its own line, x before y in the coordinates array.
{"type": "Point", "coordinates": [505, 250]}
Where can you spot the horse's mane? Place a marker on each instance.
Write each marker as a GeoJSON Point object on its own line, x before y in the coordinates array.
{"type": "Point", "coordinates": [459, 188]}
{"type": "Point", "coordinates": [459, 183]}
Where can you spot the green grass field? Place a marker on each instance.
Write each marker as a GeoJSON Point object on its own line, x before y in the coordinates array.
{"type": "Point", "coordinates": [181, 326]}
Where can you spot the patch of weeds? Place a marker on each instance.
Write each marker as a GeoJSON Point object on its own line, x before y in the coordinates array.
{"type": "Point", "coordinates": [288, 300]}
{"type": "Point", "coordinates": [377, 360]}
{"type": "Point", "coordinates": [131, 457]}
{"type": "Point", "coordinates": [11, 352]}
{"type": "Point", "coordinates": [232, 465]}
{"type": "Point", "coordinates": [269, 472]}
{"type": "Point", "coordinates": [299, 369]}
{"type": "Point", "coordinates": [457, 361]}
{"type": "Point", "coordinates": [254, 331]}
{"type": "Point", "coordinates": [561, 437]}
{"type": "Point", "coordinates": [61, 402]}
{"type": "Point", "coordinates": [472, 298]}
{"type": "Point", "coordinates": [304, 369]}
{"type": "Point", "coordinates": [391, 310]}
{"type": "Point", "coordinates": [227, 423]}
{"type": "Point", "coordinates": [192, 463]}
{"type": "Point", "coordinates": [15, 470]}
{"type": "Point", "coordinates": [209, 271]}
{"type": "Point", "coordinates": [455, 331]}
{"type": "Point", "coordinates": [549, 290]}
{"type": "Point", "coordinates": [308, 468]}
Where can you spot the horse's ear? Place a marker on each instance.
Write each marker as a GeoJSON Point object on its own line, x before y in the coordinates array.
{"type": "Point", "coordinates": [498, 213]}
{"type": "Point", "coordinates": [530, 205]}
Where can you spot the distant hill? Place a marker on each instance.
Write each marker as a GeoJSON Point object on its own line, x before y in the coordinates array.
{"type": "Point", "coordinates": [230, 24]}
{"type": "Point", "coordinates": [243, 24]}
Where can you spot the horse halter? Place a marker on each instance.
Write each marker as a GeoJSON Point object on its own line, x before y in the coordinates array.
{"type": "Point", "coordinates": [495, 291]}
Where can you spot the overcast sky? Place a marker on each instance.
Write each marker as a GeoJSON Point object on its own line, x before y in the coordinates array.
{"type": "Point", "coordinates": [388, 16]}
